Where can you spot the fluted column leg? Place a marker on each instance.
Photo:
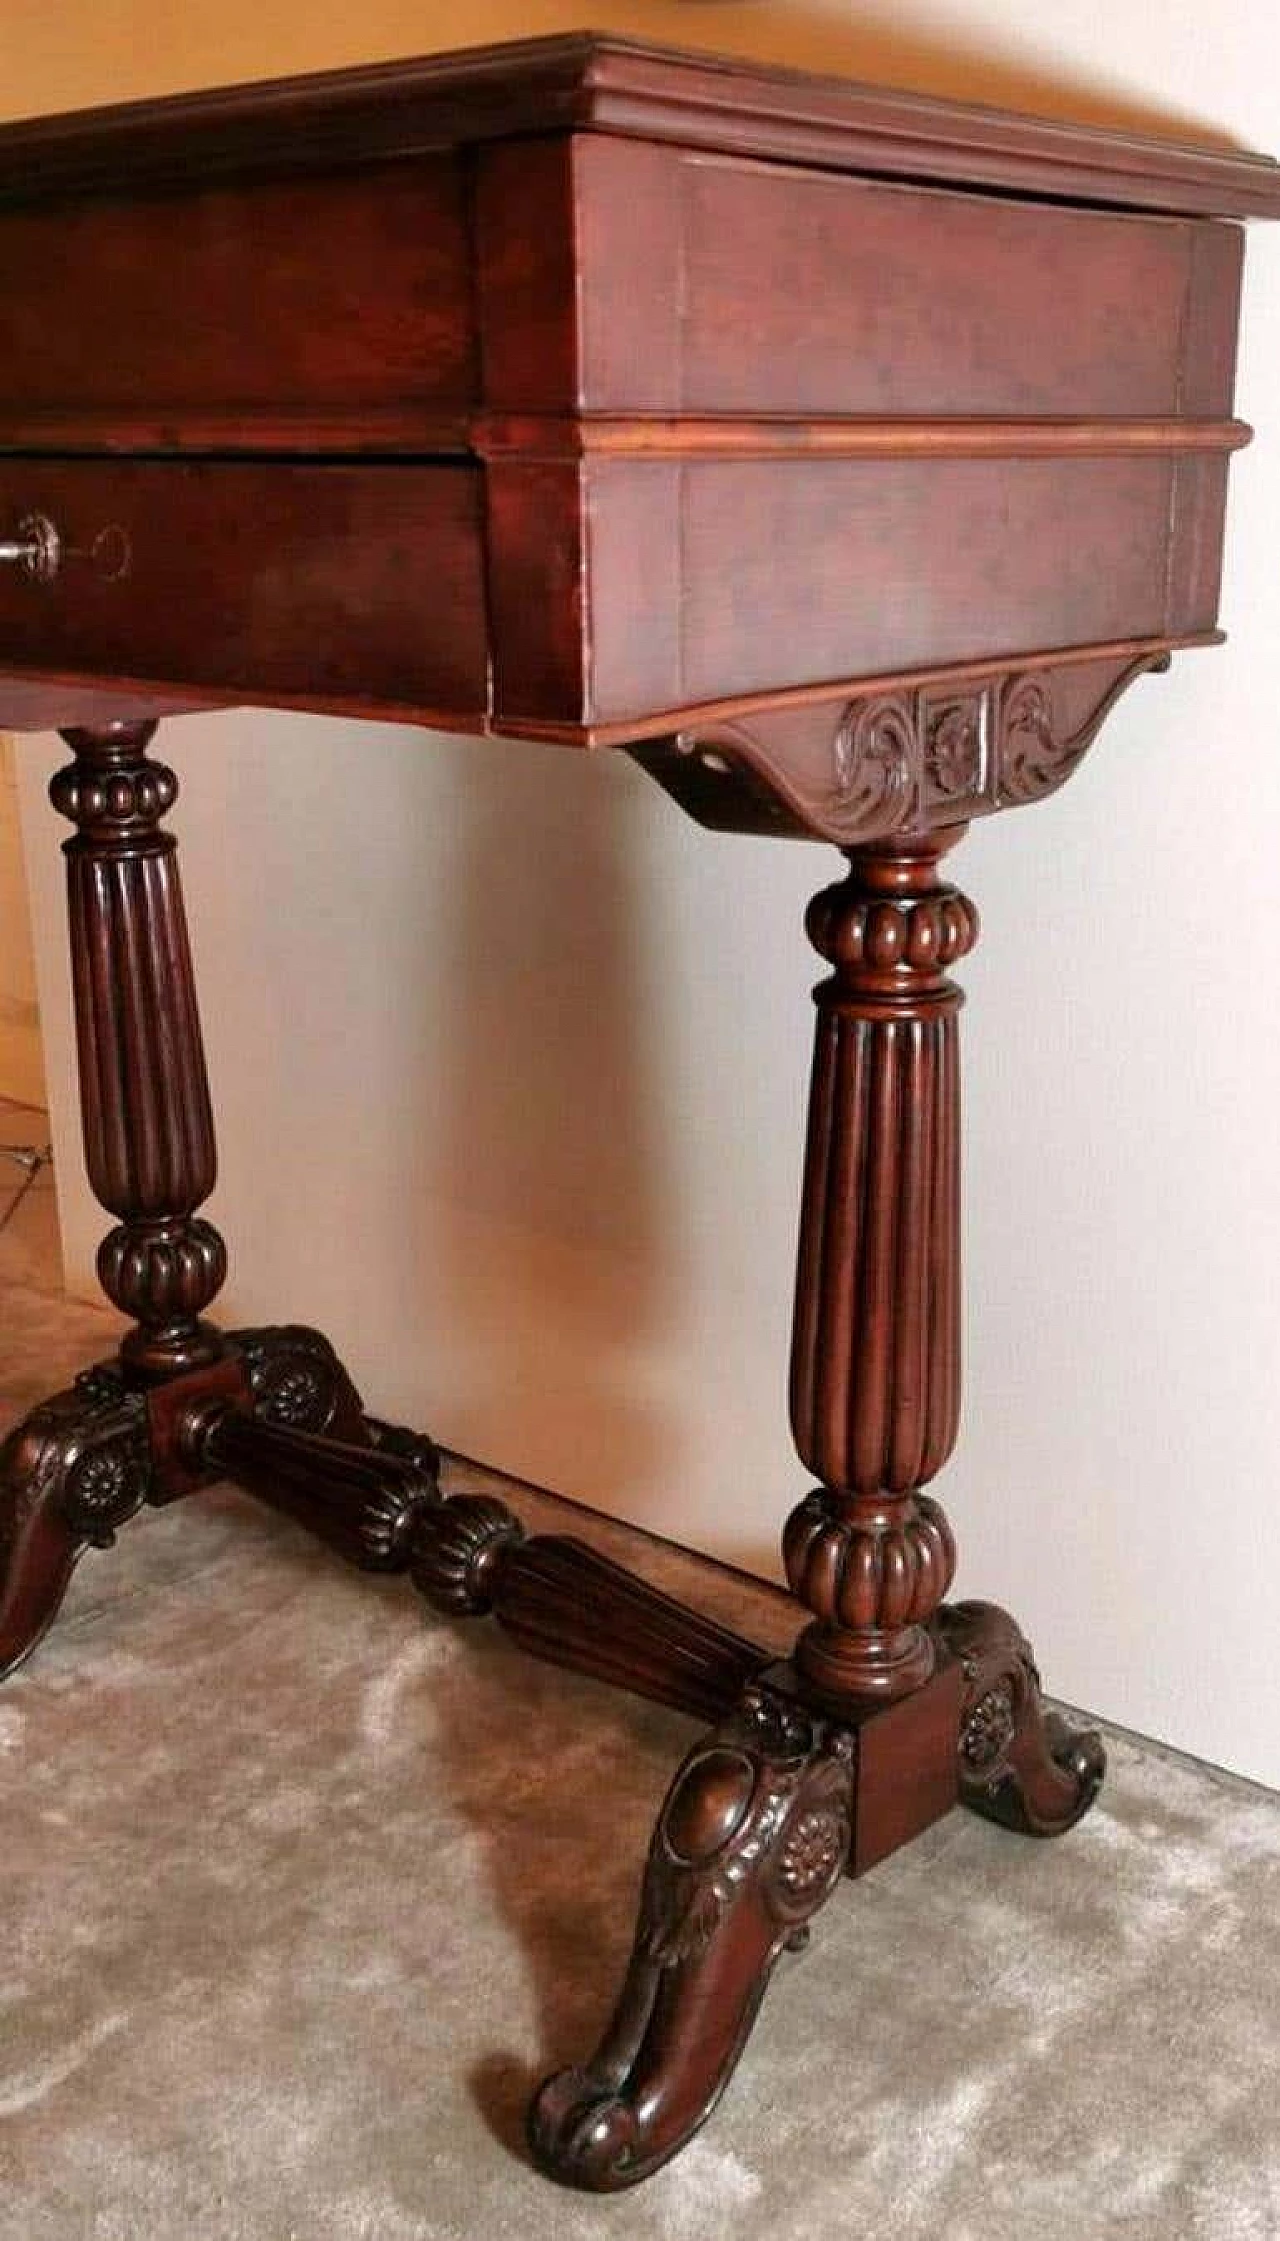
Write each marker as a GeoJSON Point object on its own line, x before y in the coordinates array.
{"type": "Point", "coordinates": [84, 1462]}
{"type": "Point", "coordinates": [144, 1096]}
{"type": "Point", "coordinates": [875, 1374]}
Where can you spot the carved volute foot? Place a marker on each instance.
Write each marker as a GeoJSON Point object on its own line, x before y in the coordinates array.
{"type": "Point", "coordinates": [74, 1472]}
{"type": "Point", "coordinates": [751, 1840]}
{"type": "Point", "coordinates": [1019, 1765]}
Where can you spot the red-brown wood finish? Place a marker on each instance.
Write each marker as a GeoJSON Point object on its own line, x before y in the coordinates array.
{"type": "Point", "coordinates": [875, 1371]}
{"type": "Point", "coordinates": [842, 455]}
{"type": "Point", "coordinates": [148, 1123]}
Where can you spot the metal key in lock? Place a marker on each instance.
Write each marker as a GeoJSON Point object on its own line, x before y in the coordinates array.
{"type": "Point", "coordinates": [40, 550]}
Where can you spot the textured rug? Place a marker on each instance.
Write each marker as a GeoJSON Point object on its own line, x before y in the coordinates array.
{"type": "Point", "coordinates": [302, 1889]}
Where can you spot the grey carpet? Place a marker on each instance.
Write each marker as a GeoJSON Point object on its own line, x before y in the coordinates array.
{"type": "Point", "coordinates": [302, 1888]}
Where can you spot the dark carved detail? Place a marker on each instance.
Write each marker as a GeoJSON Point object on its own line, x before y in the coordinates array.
{"type": "Point", "coordinates": [70, 1476]}
{"type": "Point", "coordinates": [458, 1555]}
{"type": "Point", "coordinates": [875, 767]}
{"type": "Point", "coordinates": [148, 1127]}
{"type": "Point", "coordinates": [1019, 1765]}
{"type": "Point", "coordinates": [854, 926]}
{"type": "Point", "coordinates": [107, 1485]}
{"type": "Point", "coordinates": [752, 1839]}
{"type": "Point", "coordinates": [989, 1728]}
{"type": "Point", "coordinates": [165, 1271]}
{"type": "Point", "coordinates": [376, 1500]}
{"type": "Point", "coordinates": [1035, 752]}
{"type": "Point", "coordinates": [366, 1502]}
{"type": "Point", "coordinates": [874, 1570]}
{"type": "Point", "coordinates": [953, 733]}
{"type": "Point", "coordinates": [915, 757]}
{"type": "Point", "coordinates": [409, 1446]}
{"type": "Point", "coordinates": [298, 1381]}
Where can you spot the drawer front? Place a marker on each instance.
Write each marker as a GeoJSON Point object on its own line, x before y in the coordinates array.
{"type": "Point", "coordinates": [333, 586]}
{"type": "Point", "coordinates": [295, 312]}
{"type": "Point", "coordinates": [754, 577]}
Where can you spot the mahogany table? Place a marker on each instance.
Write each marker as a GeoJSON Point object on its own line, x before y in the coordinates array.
{"type": "Point", "coordinates": [840, 455]}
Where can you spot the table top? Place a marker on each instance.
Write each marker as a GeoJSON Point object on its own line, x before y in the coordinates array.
{"type": "Point", "coordinates": [593, 81]}
{"type": "Point", "coordinates": [841, 452]}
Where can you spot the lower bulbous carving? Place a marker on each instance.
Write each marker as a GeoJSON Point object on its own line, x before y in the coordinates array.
{"type": "Point", "coordinates": [458, 1552]}
{"type": "Point", "coordinates": [873, 1570]}
{"type": "Point", "coordinates": [164, 1274]}
{"type": "Point", "coordinates": [752, 1839]}
{"type": "Point", "coordinates": [1024, 1767]}
{"type": "Point", "coordinates": [167, 1272]}
{"type": "Point", "coordinates": [858, 1563]}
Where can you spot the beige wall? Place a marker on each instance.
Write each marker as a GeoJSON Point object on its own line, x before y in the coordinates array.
{"type": "Point", "coordinates": [511, 1063]}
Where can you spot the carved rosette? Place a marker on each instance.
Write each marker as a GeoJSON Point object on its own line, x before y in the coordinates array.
{"type": "Point", "coordinates": [953, 738]}
{"type": "Point", "coordinates": [988, 1729]}
{"type": "Point", "coordinates": [108, 1482]}
{"type": "Point", "coordinates": [742, 1817]}
{"type": "Point", "coordinates": [298, 1381]}
{"type": "Point", "coordinates": [1020, 1765]}
{"type": "Point", "coordinates": [751, 1841]}
{"type": "Point", "coordinates": [148, 1126]}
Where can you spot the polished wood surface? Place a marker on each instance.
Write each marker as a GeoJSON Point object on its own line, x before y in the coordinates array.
{"type": "Point", "coordinates": [842, 456]}
{"type": "Point", "coordinates": [600, 82]}
{"type": "Point", "coordinates": [148, 1133]}
{"type": "Point", "coordinates": [603, 343]}
{"type": "Point", "coordinates": [875, 1364]}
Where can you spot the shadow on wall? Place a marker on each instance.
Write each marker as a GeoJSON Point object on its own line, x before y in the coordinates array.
{"type": "Point", "coordinates": [546, 1220]}
{"type": "Point", "coordinates": [449, 1005]}
{"type": "Point", "coordinates": [73, 56]}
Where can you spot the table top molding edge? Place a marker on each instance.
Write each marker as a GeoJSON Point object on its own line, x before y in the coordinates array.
{"type": "Point", "coordinates": [596, 82]}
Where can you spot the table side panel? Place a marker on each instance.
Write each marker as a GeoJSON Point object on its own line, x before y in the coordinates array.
{"type": "Point", "coordinates": [799, 572]}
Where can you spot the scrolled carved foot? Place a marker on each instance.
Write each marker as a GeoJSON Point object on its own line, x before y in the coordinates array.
{"type": "Point", "coordinates": [751, 1840]}
{"type": "Point", "coordinates": [70, 1475]}
{"type": "Point", "coordinates": [1019, 1765]}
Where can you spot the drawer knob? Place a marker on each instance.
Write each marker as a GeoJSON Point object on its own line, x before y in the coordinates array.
{"type": "Point", "coordinates": [37, 548]}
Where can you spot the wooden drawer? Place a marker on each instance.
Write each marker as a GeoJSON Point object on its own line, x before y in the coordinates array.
{"type": "Point", "coordinates": [341, 586]}
{"type": "Point", "coordinates": [626, 590]}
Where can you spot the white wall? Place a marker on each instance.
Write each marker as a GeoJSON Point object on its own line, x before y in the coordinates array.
{"type": "Point", "coordinates": [510, 1059]}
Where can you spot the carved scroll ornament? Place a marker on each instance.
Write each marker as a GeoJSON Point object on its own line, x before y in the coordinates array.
{"type": "Point", "coordinates": [936, 752]}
